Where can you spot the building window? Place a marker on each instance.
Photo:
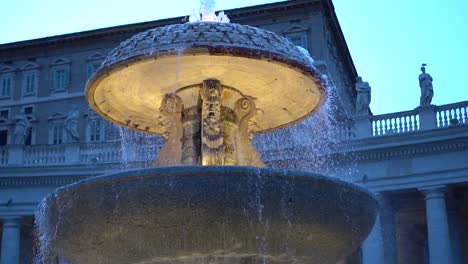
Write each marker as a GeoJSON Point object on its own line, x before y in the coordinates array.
{"type": "Point", "coordinates": [7, 81]}
{"type": "Point", "coordinates": [30, 78]}
{"type": "Point", "coordinates": [30, 83]}
{"type": "Point", "coordinates": [56, 134]}
{"type": "Point", "coordinates": [6, 86]}
{"type": "Point", "coordinates": [95, 130]}
{"type": "Point", "coordinates": [298, 39]}
{"type": "Point", "coordinates": [4, 113]}
{"type": "Point", "coordinates": [29, 137]}
{"type": "Point", "coordinates": [94, 62]}
{"type": "Point", "coordinates": [59, 79]}
{"type": "Point", "coordinates": [92, 68]}
{"type": "Point", "coordinates": [28, 110]}
{"type": "Point", "coordinates": [297, 34]}
{"type": "Point", "coordinates": [3, 136]}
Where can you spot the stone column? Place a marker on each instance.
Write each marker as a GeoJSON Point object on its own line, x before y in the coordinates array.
{"type": "Point", "coordinates": [440, 251]}
{"type": "Point", "coordinates": [456, 240]}
{"type": "Point", "coordinates": [380, 246]}
{"type": "Point", "coordinates": [11, 240]}
{"type": "Point", "coordinates": [388, 222]}
{"type": "Point", "coordinates": [373, 248]}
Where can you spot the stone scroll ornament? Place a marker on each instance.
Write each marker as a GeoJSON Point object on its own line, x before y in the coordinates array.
{"type": "Point", "coordinates": [210, 132]}
{"type": "Point", "coordinates": [170, 118]}
{"type": "Point", "coordinates": [245, 110]}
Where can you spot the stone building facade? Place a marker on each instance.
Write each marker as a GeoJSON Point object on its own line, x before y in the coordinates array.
{"type": "Point", "coordinates": [415, 160]}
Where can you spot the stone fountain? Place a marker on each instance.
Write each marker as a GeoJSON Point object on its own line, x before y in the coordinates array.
{"type": "Point", "coordinates": [206, 87]}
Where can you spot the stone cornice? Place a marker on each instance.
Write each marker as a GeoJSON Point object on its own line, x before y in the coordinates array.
{"type": "Point", "coordinates": [418, 181]}
{"type": "Point", "coordinates": [413, 150]}
{"type": "Point", "coordinates": [422, 136]}
{"type": "Point", "coordinates": [341, 41]}
{"type": "Point", "coordinates": [400, 145]}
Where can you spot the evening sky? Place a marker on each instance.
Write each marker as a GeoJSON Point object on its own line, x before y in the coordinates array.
{"type": "Point", "coordinates": [388, 40]}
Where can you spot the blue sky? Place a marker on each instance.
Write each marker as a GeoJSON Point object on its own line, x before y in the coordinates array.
{"type": "Point", "coordinates": [388, 40]}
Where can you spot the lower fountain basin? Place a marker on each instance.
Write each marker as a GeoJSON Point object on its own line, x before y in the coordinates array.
{"type": "Point", "coordinates": [206, 215]}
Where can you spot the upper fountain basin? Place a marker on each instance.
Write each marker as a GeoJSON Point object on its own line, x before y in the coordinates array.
{"type": "Point", "coordinates": [129, 86]}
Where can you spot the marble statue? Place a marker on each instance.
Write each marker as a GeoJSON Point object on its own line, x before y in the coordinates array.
{"type": "Point", "coordinates": [22, 129]}
{"type": "Point", "coordinates": [71, 124]}
{"type": "Point", "coordinates": [363, 98]}
{"type": "Point", "coordinates": [425, 83]}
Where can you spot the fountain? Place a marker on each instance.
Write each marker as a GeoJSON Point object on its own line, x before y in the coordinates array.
{"type": "Point", "coordinates": [206, 87]}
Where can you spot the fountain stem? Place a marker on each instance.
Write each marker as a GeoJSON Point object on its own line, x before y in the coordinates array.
{"type": "Point", "coordinates": [213, 130]}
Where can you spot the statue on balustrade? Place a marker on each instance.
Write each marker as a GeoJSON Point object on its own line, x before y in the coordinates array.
{"type": "Point", "coordinates": [363, 98]}
{"type": "Point", "coordinates": [71, 124]}
{"type": "Point", "coordinates": [22, 129]}
{"type": "Point", "coordinates": [425, 83]}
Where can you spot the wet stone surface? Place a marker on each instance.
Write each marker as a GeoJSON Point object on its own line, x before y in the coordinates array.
{"type": "Point", "coordinates": [222, 37]}
{"type": "Point", "coordinates": [206, 215]}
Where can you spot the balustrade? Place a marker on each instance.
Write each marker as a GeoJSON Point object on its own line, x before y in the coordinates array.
{"type": "Point", "coordinates": [145, 149]}
{"type": "Point", "coordinates": [346, 132]}
{"type": "Point", "coordinates": [452, 114]}
{"type": "Point", "coordinates": [44, 155]}
{"type": "Point", "coordinates": [101, 153]}
{"type": "Point", "coordinates": [395, 123]}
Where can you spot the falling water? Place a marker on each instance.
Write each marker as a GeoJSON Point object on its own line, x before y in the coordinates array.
{"type": "Point", "coordinates": [306, 145]}
{"type": "Point", "coordinates": [139, 146]}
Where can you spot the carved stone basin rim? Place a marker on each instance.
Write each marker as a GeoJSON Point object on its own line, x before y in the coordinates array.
{"type": "Point", "coordinates": [135, 76]}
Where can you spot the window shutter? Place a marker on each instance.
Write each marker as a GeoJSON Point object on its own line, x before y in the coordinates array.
{"type": "Point", "coordinates": [52, 79]}
{"type": "Point", "coordinates": [8, 87]}
{"type": "Point", "coordinates": [67, 78]}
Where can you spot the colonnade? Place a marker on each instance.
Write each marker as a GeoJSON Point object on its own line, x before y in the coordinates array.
{"type": "Point", "coordinates": [380, 246]}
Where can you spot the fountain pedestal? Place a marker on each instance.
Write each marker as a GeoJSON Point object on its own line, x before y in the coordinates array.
{"type": "Point", "coordinates": [207, 124]}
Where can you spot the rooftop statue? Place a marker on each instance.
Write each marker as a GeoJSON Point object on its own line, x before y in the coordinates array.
{"type": "Point", "coordinates": [425, 83]}
{"type": "Point", "coordinates": [363, 98]}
